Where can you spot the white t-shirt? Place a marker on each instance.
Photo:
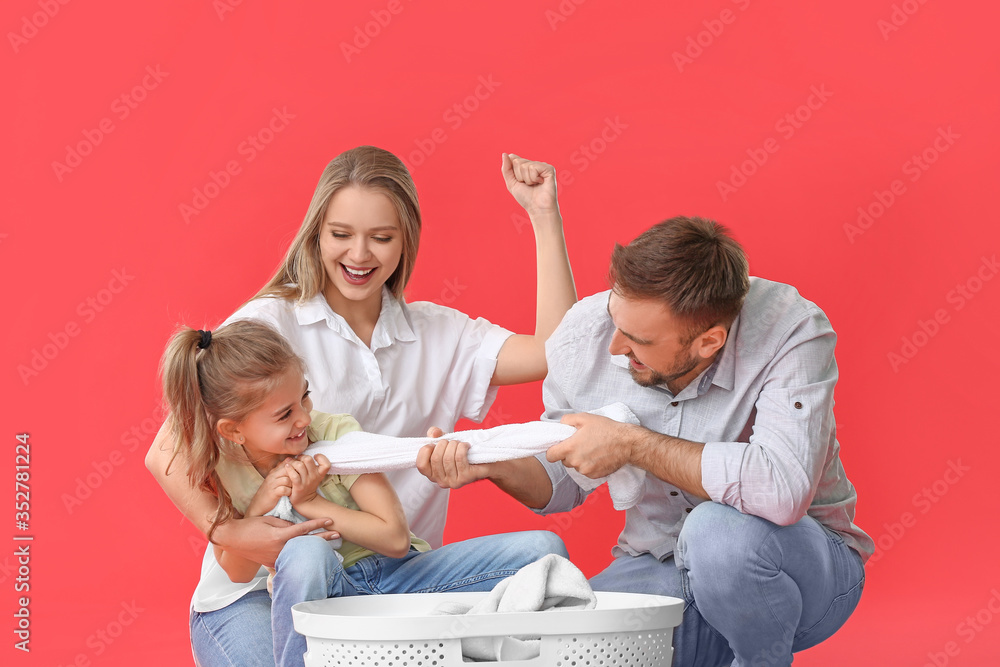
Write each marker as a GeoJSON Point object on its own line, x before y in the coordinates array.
{"type": "Point", "coordinates": [428, 365]}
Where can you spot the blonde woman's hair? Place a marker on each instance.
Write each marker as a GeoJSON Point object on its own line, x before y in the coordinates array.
{"type": "Point", "coordinates": [301, 275]}
{"type": "Point", "coordinates": [227, 378]}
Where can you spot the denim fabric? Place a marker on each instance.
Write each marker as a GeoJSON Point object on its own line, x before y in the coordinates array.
{"type": "Point", "coordinates": [235, 636]}
{"type": "Point", "coordinates": [307, 569]}
{"type": "Point", "coordinates": [755, 592]}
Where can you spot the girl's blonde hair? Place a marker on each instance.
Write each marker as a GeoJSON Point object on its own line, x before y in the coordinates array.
{"type": "Point", "coordinates": [301, 275]}
{"type": "Point", "coordinates": [223, 375]}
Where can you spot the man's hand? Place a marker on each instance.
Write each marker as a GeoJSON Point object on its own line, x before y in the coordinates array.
{"type": "Point", "coordinates": [599, 447]}
{"type": "Point", "coordinates": [261, 538]}
{"type": "Point", "coordinates": [533, 185]}
{"type": "Point", "coordinates": [446, 462]}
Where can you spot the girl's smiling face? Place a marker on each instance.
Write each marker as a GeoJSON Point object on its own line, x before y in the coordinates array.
{"type": "Point", "coordinates": [277, 428]}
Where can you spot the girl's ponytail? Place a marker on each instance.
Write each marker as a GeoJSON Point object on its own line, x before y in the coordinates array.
{"type": "Point", "coordinates": [189, 421]}
{"type": "Point", "coordinates": [208, 377]}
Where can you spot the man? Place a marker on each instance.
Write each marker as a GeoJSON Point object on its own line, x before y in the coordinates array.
{"type": "Point", "coordinates": [746, 512]}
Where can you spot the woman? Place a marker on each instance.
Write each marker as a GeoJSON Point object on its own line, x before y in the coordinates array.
{"type": "Point", "coordinates": [398, 368]}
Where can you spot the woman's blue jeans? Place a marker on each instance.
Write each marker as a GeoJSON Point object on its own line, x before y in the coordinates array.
{"type": "Point", "coordinates": [754, 591]}
{"type": "Point", "coordinates": [255, 630]}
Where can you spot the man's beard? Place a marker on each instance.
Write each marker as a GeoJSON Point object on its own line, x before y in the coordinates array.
{"type": "Point", "coordinates": [683, 364]}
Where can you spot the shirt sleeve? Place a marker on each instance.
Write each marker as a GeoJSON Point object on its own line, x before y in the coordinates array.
{"type": "Point", "coordinates": [467, 350]}
{"type": "Point", "coordinates": [347, 481]}
{"type": "Point", "coordinates": [264, 309]}
{"type": "Point", "coordinates": [480, 395]}
{"type": "Point", "coordinates": [566, 494]}
{"type": "Point", "coordinates": [775, 475]}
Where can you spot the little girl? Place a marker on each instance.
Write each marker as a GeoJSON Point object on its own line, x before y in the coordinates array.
{"type": "Point", "coordinates": [241, 414]}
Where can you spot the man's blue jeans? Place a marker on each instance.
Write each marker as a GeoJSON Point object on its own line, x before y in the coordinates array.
{"type": "Point", "coordinates": [307, 569]}
{"type": "Point", "coordinates": [754, 591]}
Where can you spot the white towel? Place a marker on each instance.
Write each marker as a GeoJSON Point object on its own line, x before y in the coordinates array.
{"type": "Point", "coordinates": [284, 510]}
{"type": "Point", "coordinates": [625, 485]}
{"type": "Point", "coordinates": [361, 452]}
{"type": "Point", "coordinates": [551, 582]}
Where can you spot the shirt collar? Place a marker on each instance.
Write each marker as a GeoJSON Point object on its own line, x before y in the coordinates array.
{"type": "Point", "coordinates": [725, 365]}
{"type": "Point", "coordinates": [393, 323]}
{"type": "Point", "coordinates": [620, 360]}
{"type": "Point", "coordinates": [315, 310]}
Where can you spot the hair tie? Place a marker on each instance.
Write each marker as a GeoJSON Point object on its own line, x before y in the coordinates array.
{"type": "Point", "coordinates": [206, 339]}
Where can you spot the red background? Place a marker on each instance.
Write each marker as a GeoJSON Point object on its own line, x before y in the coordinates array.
{"type": "Point", "coordinates": [682, 127]}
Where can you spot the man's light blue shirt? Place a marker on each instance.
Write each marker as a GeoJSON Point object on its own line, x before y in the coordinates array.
{"type": "Point", "coordinates": [764, 410]}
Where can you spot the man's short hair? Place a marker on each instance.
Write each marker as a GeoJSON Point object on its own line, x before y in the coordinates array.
{"type": "Point", "coordinates": [692, 265]}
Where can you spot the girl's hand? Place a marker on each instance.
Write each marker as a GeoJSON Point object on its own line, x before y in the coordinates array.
{"type": "Point", "coordinates": [306, 474]}
{"type": "Point", "coordinates": [533, 185]}
{"type": "Point", "coordinates": [277, 483]}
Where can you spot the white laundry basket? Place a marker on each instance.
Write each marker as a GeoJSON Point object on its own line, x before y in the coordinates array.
{"type": "Point", "coordinates": [625, 629]}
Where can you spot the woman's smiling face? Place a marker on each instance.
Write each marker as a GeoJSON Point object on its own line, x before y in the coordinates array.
{"type": "Point", "coordinates": [360, 243]}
